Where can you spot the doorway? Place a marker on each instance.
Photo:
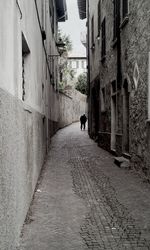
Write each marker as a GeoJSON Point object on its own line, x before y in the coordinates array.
{"type": "Point", "coordinates": [125, 117]}
{"type": "Point", "coordinates": [113, 114]}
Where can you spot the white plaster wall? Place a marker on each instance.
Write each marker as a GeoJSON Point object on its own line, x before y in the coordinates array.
{"type": "Point", "coordinates": [73, 104]}
{"type": "Point", "coordinates": [23, 130]}
{"type": "Point", "coordinates": [66, 110]}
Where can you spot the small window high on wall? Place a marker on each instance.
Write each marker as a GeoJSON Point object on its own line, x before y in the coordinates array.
{"type": "Point", "coordinates": [25, 53]}
{"type": "Point", "coordinates": [92, 32]}
{"type": "Point", "coordinates": [99, 17]}
{"type": "Point", "coordinates": [124, 8]}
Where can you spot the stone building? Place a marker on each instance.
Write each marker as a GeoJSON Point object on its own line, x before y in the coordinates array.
{"type": "Point", "coordinates": [118, 59]}
{"type": "Point", "coordinates": [29, 104]}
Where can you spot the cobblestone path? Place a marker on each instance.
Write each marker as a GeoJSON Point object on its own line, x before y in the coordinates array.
{"type": "Point", "coordinates": [84, 201]}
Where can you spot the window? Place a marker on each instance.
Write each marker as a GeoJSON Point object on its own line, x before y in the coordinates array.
{"type": "Point", "coordinates": [99, 18]}
{"type": "Point", "coordinates": [103, 100]}
{"type": "Point", "coordinates": [103, 51]}
{"type": "Point", "coordinates": [70, 63]}
{"type": "Point", "coordinates": [124, 8]}
{"type": "Point", "coordinates": [74, 64]}
{"type": "Point", "coordinates": [77, 64]}
{"type": "Point", "coordinates": [25, 53]}
{"type": "Point", "coordinates": [51, 12]}
{"type": "Point", "coordinates": [115, 18]}
{"type": "Point", "coordinates": [83, 64]}
{"type": "Point", "coordinates": [92, 32]}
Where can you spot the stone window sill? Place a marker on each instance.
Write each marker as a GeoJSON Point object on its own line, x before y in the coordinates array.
{"type": "Point", "coordinates": [148, 121]}
{"type": "Point", "coordinates": [124, 22]}
{"type": "Point", "coordinates": [103, 111]}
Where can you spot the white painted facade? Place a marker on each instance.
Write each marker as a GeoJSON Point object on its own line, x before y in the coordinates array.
{"type": "Point", "coordinates": [78, 65]}
{"type": "Point", "coordinates": [29, 105]}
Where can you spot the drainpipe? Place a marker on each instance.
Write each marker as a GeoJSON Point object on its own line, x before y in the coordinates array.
{"type": "Point", "coordinates": [88, 56]}
{"type": "Point", "coordinates": [46, 56]}
{"type": "Point", "coordinates": [19, 9]}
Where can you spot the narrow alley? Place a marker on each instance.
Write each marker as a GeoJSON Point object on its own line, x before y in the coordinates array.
{"type": "Point", "coordinates": [84, 201]}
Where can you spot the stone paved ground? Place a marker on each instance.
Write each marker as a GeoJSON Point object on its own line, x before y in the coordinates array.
{"type": "Point", "coordinates": [85, 202]}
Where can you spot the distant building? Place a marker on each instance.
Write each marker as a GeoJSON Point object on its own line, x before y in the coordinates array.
{"type": "Point", "coordinates": [70, 69]}
{"type": "Point", "coordinates": [77, 64]}
{"type": "Point", "coordinates": [119, 77]}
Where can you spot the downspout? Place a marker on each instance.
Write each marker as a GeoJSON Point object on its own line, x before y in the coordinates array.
{"type": "Point", "coordinates": [42, 38]}
{"type": "Point", "coordinates": [88, 56]}
{"type": "Point", "coordinates": [19, 9]}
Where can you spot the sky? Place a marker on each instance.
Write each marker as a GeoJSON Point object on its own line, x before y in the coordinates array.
{"type": "Point", "coordinates": [74, 27]}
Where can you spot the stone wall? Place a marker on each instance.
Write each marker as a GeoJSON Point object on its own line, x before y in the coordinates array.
{"type": "Point", "coordinates": [134, 50]}
{"type": "Point", "coordinates": [135, 41]}
{"type": "Point", "coordinates": [22, 152]}
{"type": "Point", "coordinates": [72, 105]}
{"type": "Point", "coordinates": [66, 110]}
{"type": "Point", "coordinates": [29, 108]}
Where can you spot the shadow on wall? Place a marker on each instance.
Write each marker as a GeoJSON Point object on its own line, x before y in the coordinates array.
{"type": "Point", "coordinates": [72, 105]}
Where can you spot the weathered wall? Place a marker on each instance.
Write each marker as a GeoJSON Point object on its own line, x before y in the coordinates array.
{"type": "Point", "coordinates": [25, 125]}
{"type": "Point", "coordinates": [72, 105]}
{"type": "Point", "coordinates": [135, 41]}
{"type": "Point", "coordinates": [66, 110]}
{"type": "Point", "coordinates": [134, 49]}
{"type": "Point", "coordinates": [22, 152]}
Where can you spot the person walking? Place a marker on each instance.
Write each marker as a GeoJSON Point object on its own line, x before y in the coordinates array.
{"type": "Point", "coordinates": [83, 120]}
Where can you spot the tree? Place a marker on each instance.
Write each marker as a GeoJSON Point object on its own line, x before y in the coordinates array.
{"type": "Point", "coordinates": [65, 39]}
{"type": "Point", "coordinates": [81, 84]}
{"type": "Point", "coordinates": [65, 71]}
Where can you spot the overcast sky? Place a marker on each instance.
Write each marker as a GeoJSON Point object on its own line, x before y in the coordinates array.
{"type": "Point", "coordinates": [73, 27]}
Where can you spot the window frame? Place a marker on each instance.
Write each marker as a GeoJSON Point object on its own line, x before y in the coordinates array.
{"type": "Point", "coordinates": [125, 15]}
{"type": "Point", "coordinates": [103, 39]}
{"type": "Point", "coordinates": [92, 33]}
{"type": "Point", "coordinates": [115, 18]}
{"type": "Point", "coordinates": [99, 18]}
{"type": "Point", "coordinates": [125, 8]}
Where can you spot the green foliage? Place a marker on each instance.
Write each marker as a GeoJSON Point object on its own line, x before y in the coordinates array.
{"type": "Point", "coordinates": [65, 71]}
{"type": "Point", "coordinates": [81, 84]}
{"type": "Point", "coordinates": [66, 39]}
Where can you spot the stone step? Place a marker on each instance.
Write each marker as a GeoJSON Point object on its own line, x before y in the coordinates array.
{"type": "Point", "coordinates": [122, 162]}
{"type": "Point", "coordinates": [126, 155]}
